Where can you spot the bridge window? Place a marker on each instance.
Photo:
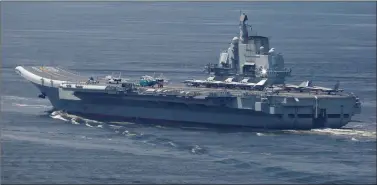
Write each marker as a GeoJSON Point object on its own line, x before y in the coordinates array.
{"type": "Point", "coordinates": [249, 69]}
{"type": "Point", "coordinates": [304, 115]}
{"type": "Point", "coordinates": [333, 115]}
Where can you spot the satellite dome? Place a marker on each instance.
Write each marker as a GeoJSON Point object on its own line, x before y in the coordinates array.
{"type": "Point", "coordinates": [108, 77]}
{"type": "Point", "coordinates": [261, 49]}
{"type": "Point", "coordinates": [235, 40]}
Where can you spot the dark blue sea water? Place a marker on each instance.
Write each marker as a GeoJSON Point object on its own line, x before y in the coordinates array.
{"type": "Point", "coordinates": [320, 41]}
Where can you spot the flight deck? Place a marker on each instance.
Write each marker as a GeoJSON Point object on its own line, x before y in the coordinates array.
{"type": "Point", "coordinates": [72, 77]}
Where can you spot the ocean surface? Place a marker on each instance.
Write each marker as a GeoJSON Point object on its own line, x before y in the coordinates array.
{"type": "Point", "coordinates": [322, 41]}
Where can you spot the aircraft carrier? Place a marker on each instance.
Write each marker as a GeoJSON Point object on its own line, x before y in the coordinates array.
{"type": "Point", "coordinates": [246, 87]}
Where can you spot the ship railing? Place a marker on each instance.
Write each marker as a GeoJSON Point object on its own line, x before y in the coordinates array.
{"type": "Point", "coordinates": [221, 94]}
{"type": "Point", "coordinates": [172, 92]}
{"type": "Point", "coordinates": [253, 93]}
{"type": "Point", "coordinates": [285, 72]}
{"type": "Point", "coordinates": [73, 83]}
{"type": "Point", "coordinates": [70, 84]}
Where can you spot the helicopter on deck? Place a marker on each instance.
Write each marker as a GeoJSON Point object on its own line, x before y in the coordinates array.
{"type": "Point", "coordinates": [149, 81]}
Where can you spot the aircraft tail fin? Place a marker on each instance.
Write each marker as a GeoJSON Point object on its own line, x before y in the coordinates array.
{"type": "Point", "coordinates": [310, 83]}
{"type": "Point", "coordinates": [336, 86]}
{"type": "Point", "coordinates": [304, 84]}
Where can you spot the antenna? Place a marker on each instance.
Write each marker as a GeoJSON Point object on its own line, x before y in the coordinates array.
{"type": "Point", "coordinates": [240, 16]}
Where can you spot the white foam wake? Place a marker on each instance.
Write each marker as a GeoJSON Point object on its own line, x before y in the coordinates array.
{"type": "Point", "coordinates": [346, 132]}
{"type": "Point", "coordinates": [59, 117]}
{"type": "Point", "coordinates": [339, 132]}
{"type": "Point", "coordinates": [76, 120]}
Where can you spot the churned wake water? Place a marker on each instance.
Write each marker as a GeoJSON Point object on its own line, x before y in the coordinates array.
{"type": "Point", "coordinates": [320, 41]}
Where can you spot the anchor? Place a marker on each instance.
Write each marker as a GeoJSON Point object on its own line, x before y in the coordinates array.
{"type": "Point", "coordinates": [43, 96]}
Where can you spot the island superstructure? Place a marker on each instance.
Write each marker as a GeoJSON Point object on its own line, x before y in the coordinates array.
{"type": "Point", "coordinates": [247, 87]}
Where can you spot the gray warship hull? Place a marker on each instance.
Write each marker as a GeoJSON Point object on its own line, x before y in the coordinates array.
{"type": "Point", "coordinates": [113, 108]}
{"type": "Point", "coordinates": [235, 108]}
